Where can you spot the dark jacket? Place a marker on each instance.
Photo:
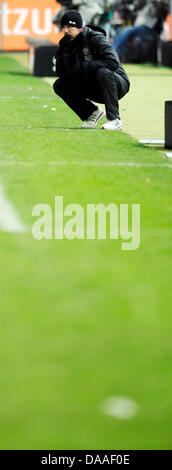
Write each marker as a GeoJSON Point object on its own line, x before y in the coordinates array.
{"type": "Point", "coordinates": [85, 54]}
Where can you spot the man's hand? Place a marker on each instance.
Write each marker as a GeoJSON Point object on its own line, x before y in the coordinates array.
{"type": "Point", "coordinates": [65, 41]}
{"type": "Point", "coordinates": [76, 71]}
{"type": "Point", "coordinates": [91, 66]}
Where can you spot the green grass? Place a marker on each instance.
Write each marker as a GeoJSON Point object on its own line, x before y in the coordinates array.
{"type": "Point", "coordinates": [81, 320]}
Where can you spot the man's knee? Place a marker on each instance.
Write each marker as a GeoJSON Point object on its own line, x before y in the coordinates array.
{"type": "Point", "coordinates": [104, 74]}
{"type": "Point", "coordinates": [57, 86]}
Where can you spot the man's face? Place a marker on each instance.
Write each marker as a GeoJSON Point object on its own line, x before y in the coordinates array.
{"type": "Point", "coordinates": [72, 31]}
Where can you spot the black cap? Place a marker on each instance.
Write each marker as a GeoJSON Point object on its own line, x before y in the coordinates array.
{"type": "Point", "coordinates": [72, 18]}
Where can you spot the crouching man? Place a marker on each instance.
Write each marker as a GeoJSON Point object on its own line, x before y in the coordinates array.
{"type": "Point", "coordinates": [89, 69]}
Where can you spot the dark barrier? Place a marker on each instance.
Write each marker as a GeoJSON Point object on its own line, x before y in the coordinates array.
{"type": "Point", "coordinates": [40, 59]}
{"type": "Point", "coordinates": [168, 124]}
{"type": "Point", "coordinates": [166, 53]}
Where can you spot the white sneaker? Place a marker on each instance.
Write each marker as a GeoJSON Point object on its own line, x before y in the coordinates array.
{"type": "Point", "coordinates": [115, 125]}
{"type": "Point", "coordinates": [93, 120]}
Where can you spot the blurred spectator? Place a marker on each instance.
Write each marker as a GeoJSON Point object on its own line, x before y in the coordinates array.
{"type": "Point", "coordinates": [147, 26]}
{"type": "Point", "coordinates": [127, 9]}
{"type": "Point", "coordinates": [107, 7]}
{"type": "Point", "coordinates": [92, 11]}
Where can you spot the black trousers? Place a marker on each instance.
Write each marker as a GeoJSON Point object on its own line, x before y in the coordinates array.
{"type": "Point", "coordinates": [104, 87]}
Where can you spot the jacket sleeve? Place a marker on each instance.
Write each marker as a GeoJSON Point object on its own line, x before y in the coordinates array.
{"type": "Point", "coordinates": [106, 56]}
{"type": "Point", "coordinates": [63, 57]}
{"type": "Point", "coordinates": [57, 62]}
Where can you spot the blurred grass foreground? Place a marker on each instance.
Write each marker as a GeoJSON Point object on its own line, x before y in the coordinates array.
{"type": "Point", "coordinates": [85, 327]}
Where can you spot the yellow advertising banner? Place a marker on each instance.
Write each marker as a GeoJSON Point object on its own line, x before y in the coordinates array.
{"type": "Point", "coordinates": [22, 18]}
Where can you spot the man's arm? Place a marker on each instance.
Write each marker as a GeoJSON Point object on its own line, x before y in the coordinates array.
{"type": "Point", "coordinates": [106, 56]}
{"type": "Point", "coordinates": [63, 58]}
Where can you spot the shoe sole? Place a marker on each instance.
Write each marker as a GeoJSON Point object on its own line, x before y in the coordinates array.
{"type": "Point", "coordinates": [102, 116]}
{"type": "Point", "coordinates": [117, 129]}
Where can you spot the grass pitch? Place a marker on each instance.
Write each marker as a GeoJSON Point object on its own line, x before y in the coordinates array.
{"type": "Point", "coordinates": [81, 321]}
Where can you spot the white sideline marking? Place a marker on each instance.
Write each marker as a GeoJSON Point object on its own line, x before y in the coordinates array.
{"type": "Point", "coordinates": [120, 407]}
{"type": "Point", "coordinates": [5, 97]}
{"type": "Point", "coordinates": [91, 164]}
{"type": "Point", "coordinates": [168, 154]}
{"type": "Point", "coordinates": [152, 141]}
{"type": "Point", "coordinates": [9, 220]}
{"type": "Point", "coordinates": [49, 80]}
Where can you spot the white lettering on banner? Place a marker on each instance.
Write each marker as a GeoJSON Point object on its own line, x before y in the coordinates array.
{"type": "Point", "coordinates": [5, 12]}
{"type": "Point", "coordinates": [47, 18]}
{"type": "Point", "coordinates": [23, 13]}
